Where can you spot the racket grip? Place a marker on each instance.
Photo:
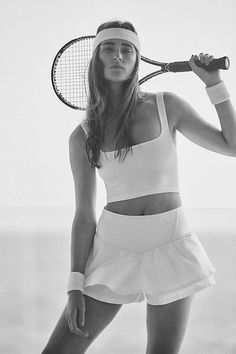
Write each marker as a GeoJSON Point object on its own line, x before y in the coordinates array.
{"type": "Point", "coordinates": [215, 64]}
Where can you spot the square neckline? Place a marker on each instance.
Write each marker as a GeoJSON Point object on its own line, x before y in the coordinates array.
{"type": "Point", "coordinates": [148, 141]}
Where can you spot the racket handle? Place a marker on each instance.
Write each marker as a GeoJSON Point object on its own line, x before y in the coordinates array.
{"type": "Point", "coordinates": [215, 64]}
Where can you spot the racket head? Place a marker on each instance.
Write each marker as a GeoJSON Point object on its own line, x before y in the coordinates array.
{"type": "Point", "coordinates": [69, 72]}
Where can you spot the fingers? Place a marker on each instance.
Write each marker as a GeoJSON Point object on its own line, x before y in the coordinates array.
{"type": "Point", "coordinates": [204, 58]}
{"type": "Point", "coordinates": [71, 319]}
{"type": "Point", "coordinates": [81, 317]}
{"type": "Point", "coordinates": [199, 66]}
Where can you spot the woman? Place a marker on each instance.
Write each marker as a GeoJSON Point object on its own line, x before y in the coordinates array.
{"type": "Point", "coordinates": [143, 245]}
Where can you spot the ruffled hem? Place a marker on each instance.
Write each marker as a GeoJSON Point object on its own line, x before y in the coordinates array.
{"type": "Point", "coordinates": [166, 269]}
{"type": "Point", "coordinates": [187, 290]}
{"type": "Point", "coordinates": [105, 294]}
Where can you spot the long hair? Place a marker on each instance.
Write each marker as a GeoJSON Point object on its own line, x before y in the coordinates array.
{"type": "Point", "coordinates": [98, 103]}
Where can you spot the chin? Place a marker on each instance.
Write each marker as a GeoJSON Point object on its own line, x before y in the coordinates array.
{"type": "Point", "coordinates": [117, 78]}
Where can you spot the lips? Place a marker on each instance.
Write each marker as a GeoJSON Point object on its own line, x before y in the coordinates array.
{"type": "Point", "coordinates": [117, 67]}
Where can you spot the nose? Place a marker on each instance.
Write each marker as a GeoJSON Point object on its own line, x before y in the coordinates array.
{"type": "Point", "coordinates": [117, 56]}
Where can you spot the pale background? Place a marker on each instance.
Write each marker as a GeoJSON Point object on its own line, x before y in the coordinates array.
{"type": "Point", "coordinates": [36, 126]}
{"type": "Point", "coordinates": [37, 191]}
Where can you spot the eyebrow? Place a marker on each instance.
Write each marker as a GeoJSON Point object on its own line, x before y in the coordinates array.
{"type": "Point", "coordinates": [123, 44]}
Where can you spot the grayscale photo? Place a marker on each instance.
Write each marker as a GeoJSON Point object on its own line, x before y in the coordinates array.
{"type": "Point", "coordinates": [118, 169]}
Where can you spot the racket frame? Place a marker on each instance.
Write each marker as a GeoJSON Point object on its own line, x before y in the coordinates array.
{"type": "Point", "coordinates": [53, 70]}
{"type": "Point", "coordinates": [165, 67]}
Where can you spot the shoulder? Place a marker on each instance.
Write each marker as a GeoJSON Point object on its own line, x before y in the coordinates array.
{"type": "Point", "coordinates": [150, 99]}
{"type": "Point", "coordinates": [174, 101]}
{"type": "Point", "coordinates": [77, 139]}
{"type": "Point", "coordinates": [171, 100]}
{"type": "Point", "coordinates": [80, 132]}
{"type": "Point", "coordinates": [174, 105]}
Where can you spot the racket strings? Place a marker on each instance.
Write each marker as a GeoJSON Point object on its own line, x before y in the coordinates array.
{"type": "Point", "coordinates": [71, 72]}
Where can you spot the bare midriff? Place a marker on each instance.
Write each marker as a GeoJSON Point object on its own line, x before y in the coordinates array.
{"type": "Point", "coordinates": [146, 205]}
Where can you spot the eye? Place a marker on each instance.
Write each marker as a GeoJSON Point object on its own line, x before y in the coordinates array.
{"type": "Point", "coordinates": [127, 50]}
{"type": "Point", "coordinates": [108, 49]}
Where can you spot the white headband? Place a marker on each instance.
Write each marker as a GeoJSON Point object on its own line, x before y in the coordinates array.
{"type": "Point", "coordinates": [117, 33]}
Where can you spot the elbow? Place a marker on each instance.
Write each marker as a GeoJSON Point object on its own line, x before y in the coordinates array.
{"type": "Point", "coordinates": [230, 148]}
{"type": "Point", "coordinates": [232, 152]}
{"type": "Point", "coordinates": [85, 219]}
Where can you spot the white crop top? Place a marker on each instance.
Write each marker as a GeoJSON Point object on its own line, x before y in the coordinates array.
{"type": "Point", "coordinates": [152, 168]}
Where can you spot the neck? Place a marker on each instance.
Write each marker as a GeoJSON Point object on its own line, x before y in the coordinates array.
{"type": "Point", "coordinates": [115, 96]}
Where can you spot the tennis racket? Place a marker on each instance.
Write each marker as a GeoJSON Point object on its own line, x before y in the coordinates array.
{"type": "Point", "coordinates": [69, 73]}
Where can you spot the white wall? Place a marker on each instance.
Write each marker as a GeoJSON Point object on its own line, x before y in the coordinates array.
{"type": "Point", "coordinates": [35, 125]}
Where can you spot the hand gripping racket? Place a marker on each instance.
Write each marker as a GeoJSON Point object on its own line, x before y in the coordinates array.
{"type": "Point", "coordinates": [70, 70]}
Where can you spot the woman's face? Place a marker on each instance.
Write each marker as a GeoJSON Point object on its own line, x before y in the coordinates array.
{"type": "Point", "coordinates": [118, 58]}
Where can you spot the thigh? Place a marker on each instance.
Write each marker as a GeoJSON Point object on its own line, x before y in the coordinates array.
{"type": "Point", "coordinates": [98, 315]}
{"type": "Point", "coordinates": [166, 326]}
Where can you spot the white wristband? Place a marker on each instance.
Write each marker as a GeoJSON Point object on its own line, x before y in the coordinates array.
{"type": "Point", "coordinates": [218, 93]}
{"type": "Point", "coordinates": [75, 281]}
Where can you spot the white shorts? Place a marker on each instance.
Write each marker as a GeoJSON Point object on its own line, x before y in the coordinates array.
{"type": "Point", "coordinates": [155, 256]}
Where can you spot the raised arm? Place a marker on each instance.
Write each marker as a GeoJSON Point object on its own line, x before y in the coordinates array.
{"type": "Point", "coordinates": [198, 130]}
{"type": "Point", "coordinates": [84, 223]}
